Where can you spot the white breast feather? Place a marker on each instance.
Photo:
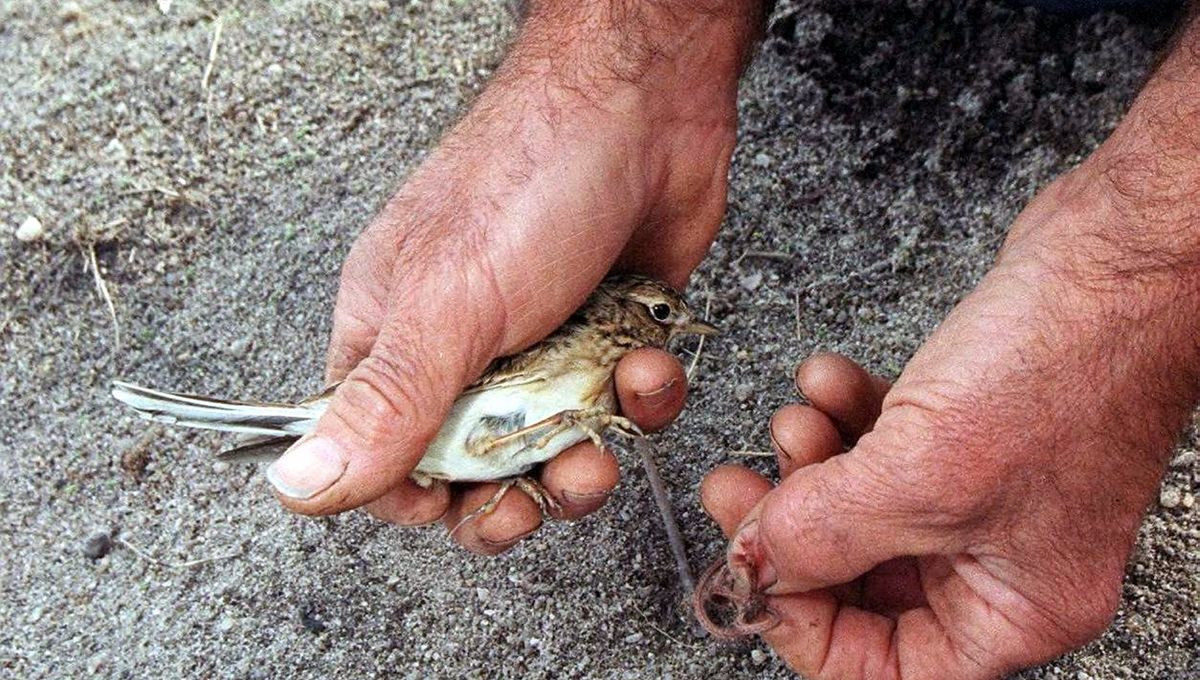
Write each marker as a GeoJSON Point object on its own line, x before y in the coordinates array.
{"type": "Point", "coordinates": [447, 456]}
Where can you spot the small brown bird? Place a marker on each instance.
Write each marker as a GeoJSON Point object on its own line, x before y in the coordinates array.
{"type": "Point", "coordinates": [524, 410]}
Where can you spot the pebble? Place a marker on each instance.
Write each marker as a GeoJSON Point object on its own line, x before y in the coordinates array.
{"type": "Point", "coordinates": [761, 160]}
{"type": "Point", "coordinates": [35, 615]}
{"type": "Point", "coordinates": [752, 281]}
{"type": "Point", "coordinates": [220, 467]}
{"type": "Point", "coordinates": [238, 347]}
{"type": "Point", "coordinates": [743, 392]}
{"type": "Point", "coordinates": [70, 12]}
{"type": "Point", "coordinates": [225, 625]}
{"type": "Point", "coordinates": [633, 638]}
{"type": "Point", "coordinates": [758, 656]}
{"type": "Point", "coordinates": [273, 70]}
{"type": "Point", "coordinates": [116, 150]}
{"type": "Point", "coordinates": [1170, 497]}
{"type": "Point", "coordinates": [1187, 501]}
{"type": "Point", "coordinates": [30, 230]}
{"type": "Point", "coordinates": [97, 545]}
{"type": "Point", "coordinates": [312, 621]}
{"type": "Point", "coordinates": [1185, 459]}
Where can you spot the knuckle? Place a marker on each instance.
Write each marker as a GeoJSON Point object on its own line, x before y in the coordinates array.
{"type": "Point", "coordinates": [381, 396]}
{"type": "Point", "coordinates": [943, 449]}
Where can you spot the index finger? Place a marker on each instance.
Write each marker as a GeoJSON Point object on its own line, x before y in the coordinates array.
{"type": "Point", "coordinates": [651, 388]}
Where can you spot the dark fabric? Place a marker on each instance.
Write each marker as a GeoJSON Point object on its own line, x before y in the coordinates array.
{"type": "Point", "coordinates": [1091, 6]}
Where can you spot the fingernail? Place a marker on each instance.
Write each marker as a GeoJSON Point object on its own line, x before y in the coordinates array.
{"type": "Point", "coordinates": [509, 542]}
{"type": "Point", "coordinates": [657, 397]}
{"type": "Point", "coordinates": [307, 469]}
{"type": "Point", "coordinates": [584, 498]}
{"type": "Point", "coordinates": [779, 450]}
{"type": "Point", "coordinates": [752, 572]}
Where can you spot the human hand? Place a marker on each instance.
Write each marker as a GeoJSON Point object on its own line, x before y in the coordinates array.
{"type": "Point", "coordinates": [982, 515]}
{"type": "Point", "coordinates": [583, 154]}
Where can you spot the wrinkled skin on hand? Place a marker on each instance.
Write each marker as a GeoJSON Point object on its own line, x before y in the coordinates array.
{"type": "Point", "coordinates": [556, 176]}
{"type": "Point", "coordinates": [975, 517]}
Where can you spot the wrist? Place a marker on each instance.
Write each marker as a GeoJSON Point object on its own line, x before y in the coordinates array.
{"type": "Point", "coordinates": [1119, 281]}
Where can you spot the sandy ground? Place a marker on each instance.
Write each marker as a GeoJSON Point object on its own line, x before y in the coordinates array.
{"type": "Point", "coordinates": [884, 149]}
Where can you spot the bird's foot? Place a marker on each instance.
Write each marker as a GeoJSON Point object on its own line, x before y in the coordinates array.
{"type": "Point", "coordinates": [532, 488]}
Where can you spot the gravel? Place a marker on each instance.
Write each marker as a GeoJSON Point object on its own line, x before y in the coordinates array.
{"type": "Point", "coordinates": [884, 148]}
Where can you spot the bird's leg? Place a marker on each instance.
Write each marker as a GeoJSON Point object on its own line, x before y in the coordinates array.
{"type": "Point", "coordinates": [559, 422]}
{"type": "Point", "coordinates": [484, 445]}
{"type": "Point", "coordinates": [532, 488]}
{"type": "Point", "coordinates": [593, 422]}
{"type": "Point", "coordinates": [540, 495]}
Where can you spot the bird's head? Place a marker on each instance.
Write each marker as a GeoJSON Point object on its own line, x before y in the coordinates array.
{"type": "Point", "coordinates": [658, 311]}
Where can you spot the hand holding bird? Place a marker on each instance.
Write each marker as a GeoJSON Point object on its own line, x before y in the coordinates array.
{"type": "Point", "coordinates": [524, 410]}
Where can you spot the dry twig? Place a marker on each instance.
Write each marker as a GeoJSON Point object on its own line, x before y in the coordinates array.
{"type": "Point", "coordinates": [212, 53]}
{"type": "Point", "coordinates": [204, 81]}
{"type": "Point", "coordinates": [188, 564]}
{"type": "Point", "coordinates": [691, 370]}
{"type": "Point", "coordinates": [102, 290]}
{"type": "Point", "coordinates": [142, 554]}
{"type": "Point", "coordinates": [659, 490]}
{"type": "Point", "coordinates": [774, 255]}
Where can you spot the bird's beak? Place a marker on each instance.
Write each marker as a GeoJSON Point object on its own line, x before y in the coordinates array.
{"type": "Point", "coordinates": [696, 327]}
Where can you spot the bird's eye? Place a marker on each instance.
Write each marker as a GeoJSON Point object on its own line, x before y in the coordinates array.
{"type": "Point", "coordinates": [660, 311]}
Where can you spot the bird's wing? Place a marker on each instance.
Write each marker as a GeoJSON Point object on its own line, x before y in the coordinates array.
{"type": "Point", "coordinates": [520, 369]}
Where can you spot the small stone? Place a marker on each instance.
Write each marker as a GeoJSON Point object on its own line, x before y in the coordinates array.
{"type": "Point", "coordinates": [758, 656]}
{"type": "Point", "coordinates": [1187, 501]}
{"type": "Point", "coordinates": [482, 593]}
{"type": "Point", "coordinates": [1184, 459]}
{"type": "Point", "coordinates": [116, 151]}
{"type": "Point", "coordinates": [70, 12]}
{"type": "Point", "coordinates": [752, 281]}
{"type": "Point", "coordinates": [969, 102]}
{"type": "Point", "coordinates": [97, 545]}
{"type": "Point", "coordinates": [225, 624]}
{"type": "Point", "coordinates": [220, 467]}
{"type": "Point", "coordinates": [312, 621]}
{"type": "Point", "coordinates": [1170, 497]}
{"type": "Point", "coordinates": [761, 160]}
{"type": "Point", "coordinates": [35, 615]}
{"type": "Point", "coordinates": [238, 347]}
{"type": "Point", "coordinates": [633, 638]}
{"type": "Point", "coordinates": [273, 70]}
{"type": "Point", "coordinates": [95, 662]}
{"type": "Point", "coordinates": [743, 392]}
{"type": "Point", "coordinates": [30, 230]}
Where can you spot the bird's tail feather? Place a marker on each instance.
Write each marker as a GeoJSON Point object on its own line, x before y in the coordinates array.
{"type": "Point", "coordinates": [258, 449]}
{"type": "Point", "coordinates": [264, 421]}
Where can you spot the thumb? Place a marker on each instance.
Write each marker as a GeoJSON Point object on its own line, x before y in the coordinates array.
{"type": "Point", "coordinates": [391, 405]}
{"type": "Point", "coordinates": [827, 524]}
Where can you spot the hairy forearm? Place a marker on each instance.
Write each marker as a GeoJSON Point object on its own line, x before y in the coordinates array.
{"type": "Point", "coordinates": [622, 55]}
{"type": "Point", "coordinates": [1113, 248]}
{"type": "Point", "coordinates": [1151, 165]}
